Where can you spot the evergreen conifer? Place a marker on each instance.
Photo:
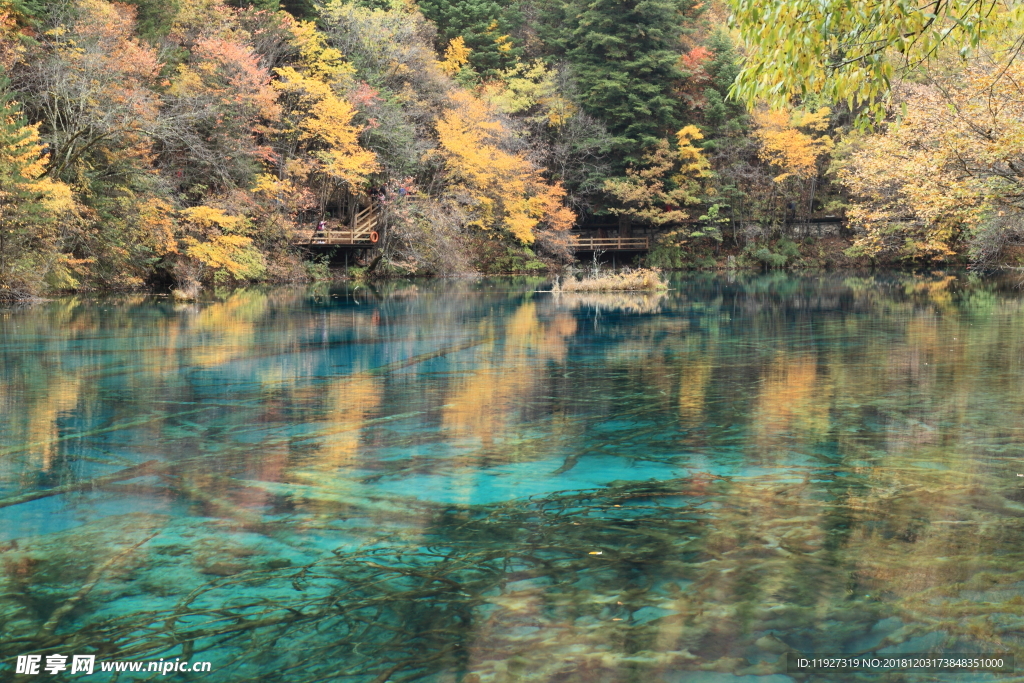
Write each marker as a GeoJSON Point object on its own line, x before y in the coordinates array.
{"type": "Point", "coordinates": [484, 25]}
{"type": "Point", "coordinates": [625, 55]}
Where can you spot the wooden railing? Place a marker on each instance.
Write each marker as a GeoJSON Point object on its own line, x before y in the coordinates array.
{"type": "Point", "coordinates": [365, 223]}
{"type": "Point", "coordinates": [336, 237]}
{"type": "Point", "coordinates": [360, 234]}
{"type": "Point", "coordinates": [612, 243]}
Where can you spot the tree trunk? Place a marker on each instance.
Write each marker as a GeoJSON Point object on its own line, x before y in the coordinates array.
{"type": "Point", "coordinates": [625, 226]}
{"type": "Point", "coordinates": [810, 203]}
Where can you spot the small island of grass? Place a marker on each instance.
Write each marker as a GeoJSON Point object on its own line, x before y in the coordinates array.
{"type": "Point", "coordinates": [638, 280]}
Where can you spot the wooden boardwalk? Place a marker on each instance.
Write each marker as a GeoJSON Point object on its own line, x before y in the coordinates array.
{"type": "Point", "coordinates": [361, 232]}
{"type": "Point", "coordinates": [588, 243]}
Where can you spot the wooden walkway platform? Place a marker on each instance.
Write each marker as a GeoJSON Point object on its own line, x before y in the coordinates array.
{"type": "Point", "coordinates": [587, 243]}
{"type": "Point", "coordinates": [361, 232]}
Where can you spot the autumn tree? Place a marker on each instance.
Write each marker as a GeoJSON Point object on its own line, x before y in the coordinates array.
{"type": "Point", "coordinates": [503, 192]}
{"type": "Point", "coordinates": [794, 144]}
{"type": "Point", "coordinates": [793, 141]}
{"type": "Point", "coordinates": [658, 191]}
{"type": "Point", "coordinates": [30, 203]}
{"type": "Point", "coordinates": [456, 56]}
{"type": "Point", "coordinates": [320, 139]}
{"type": "Point", "coordinates": [90, 82]}
{"type": "Point", "coordinates": [219, 105]}
{"type": "Point", "coordinates": [214, 246]}
{"type": "Point", "coordinates": [948, 172]}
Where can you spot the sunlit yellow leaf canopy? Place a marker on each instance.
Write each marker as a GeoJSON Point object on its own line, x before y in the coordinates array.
{"type": "Point", "coordinates": [504, 189]}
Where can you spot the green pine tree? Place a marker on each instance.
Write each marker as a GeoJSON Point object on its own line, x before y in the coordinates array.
{"type": "Point", "coordinates": [625, 57]}
{"type": "Point", "coordinates": [722, 117]}
{"type": "Point", "coordinates": [726, 125]}
{"type": "Point", "coordinates": [485, 26]}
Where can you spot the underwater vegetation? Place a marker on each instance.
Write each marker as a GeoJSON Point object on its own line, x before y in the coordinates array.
{"type": "Point", "coordinates": [473, 481]}
{"type": "Point", "coordinates": [703, 573]}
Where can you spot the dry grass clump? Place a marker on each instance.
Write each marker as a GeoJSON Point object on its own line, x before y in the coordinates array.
{"type": "Point", "coordinates": [187, 291]}
{"type": "Point", "coordinates": [620, 302]}
{"type": "Point", "coordinates": [639, 280]}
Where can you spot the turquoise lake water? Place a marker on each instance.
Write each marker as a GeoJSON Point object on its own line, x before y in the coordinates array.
{"type": "Point", "coordinates": [473, 481]}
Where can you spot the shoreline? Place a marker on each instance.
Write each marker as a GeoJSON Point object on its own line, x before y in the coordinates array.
{"type": "Point", "coordinates": [211, 293]}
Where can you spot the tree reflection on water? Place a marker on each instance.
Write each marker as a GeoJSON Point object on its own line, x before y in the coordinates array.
{"type": "Point", "coordinates": [472, 480]}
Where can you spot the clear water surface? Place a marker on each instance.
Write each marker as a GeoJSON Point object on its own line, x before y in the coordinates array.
{"type": "Point", "coordinates": [476, 482]}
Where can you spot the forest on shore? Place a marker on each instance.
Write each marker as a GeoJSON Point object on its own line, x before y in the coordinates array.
{"type": "Point", "coordinates": [185, 143]}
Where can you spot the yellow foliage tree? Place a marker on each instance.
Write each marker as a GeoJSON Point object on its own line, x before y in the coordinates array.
{"type": "Point", "coordinates": [503, 190]}
{"type": "Point", "coordinates": [456, 56]}
{"type": "Point", "coordinates": [207, 218]}
{"type": "Point", "coordinates": [793, 141]}
{"type": "Point", "coordinates": [227, 255]}
{"type": "Point", "coordinates": [29, 204]}
{"type": "Point", "coordinates": [157, 217]}
{"type": "Point", "coordinates": [288, 192]}
{"type": "Point", "coordinates": [948, 170]}
{"type": "Point", "coordinates": [13, 36]}
{"type": "Point", "coordinates": [669, 180]}
{"type": "Point", "coordinates": [531, 88]}
{"type": "Point", "coordinates": [317, 118]}
{"type": "Point", "coordinates": [214, 242]}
